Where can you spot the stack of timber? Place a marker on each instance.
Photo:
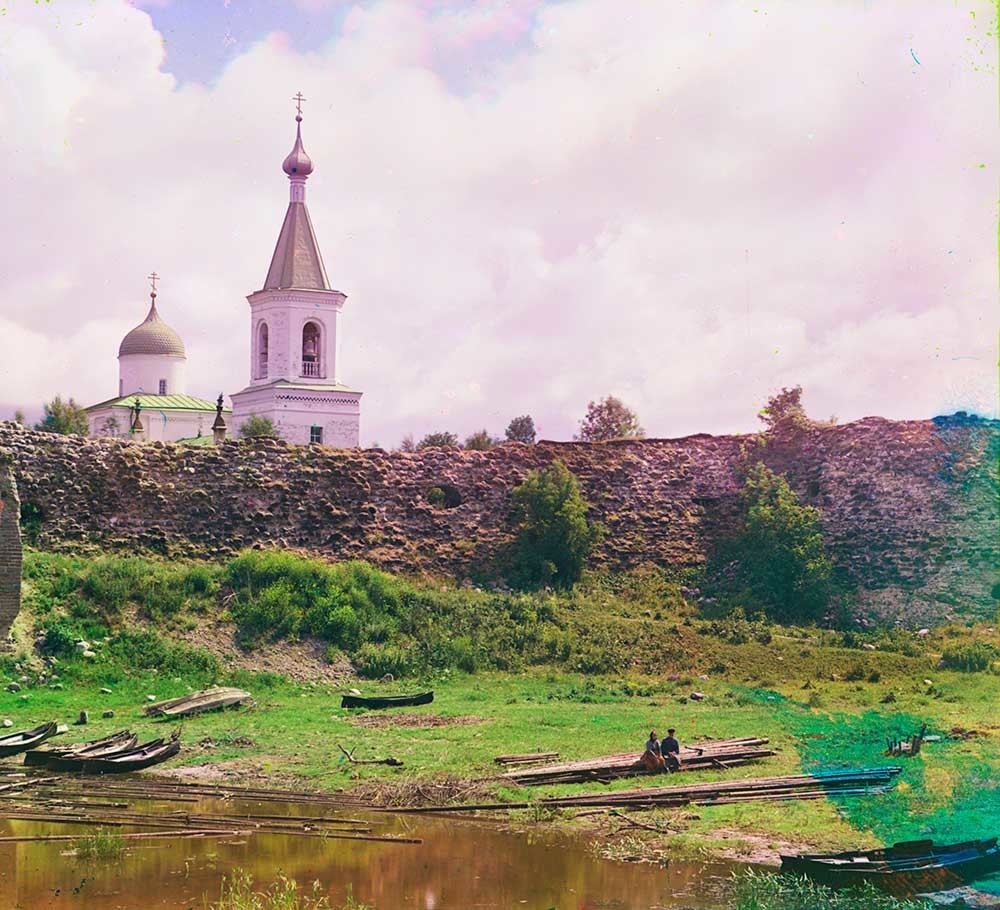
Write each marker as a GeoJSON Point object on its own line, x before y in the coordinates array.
{"type": "Point", "coordinates": [528, 758]}
{"type": "Point", "coordinates": [200, 810]}
{"type": "Point", "coordinates": [68, 758]}
{"type": "Point", "coordinates": [864, 781]}
{"type": "Point", "coordinates": [199, 702]}
{"type": "Point", "coordinates": [16, 743]}
{"type": "Point", "coordinates": [719, 753]}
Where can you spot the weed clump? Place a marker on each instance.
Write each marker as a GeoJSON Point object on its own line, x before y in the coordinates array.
{"type": "Point", "coordinates": [769, 891]}
{"type": "Point", "coordinates": [972, 657]}
{"type": "Point", "coordinates": [103, 845]}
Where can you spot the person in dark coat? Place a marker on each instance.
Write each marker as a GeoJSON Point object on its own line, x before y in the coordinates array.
{"type": "Point", "coordinates": [670, 750]}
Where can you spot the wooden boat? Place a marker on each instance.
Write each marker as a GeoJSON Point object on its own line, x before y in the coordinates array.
{"type": "Point", "coordinates": [144, 756]}
{"type": "Point", "coordinates": [910, 867]}
{"type": "Point", "coordinates": [67, 758]}
{"type": "Point", "coordinates": [387, 701]}
{"type": "Point", "coordinates": [198, 702]}
{"type": "Point", "coordinates": [16, 743]}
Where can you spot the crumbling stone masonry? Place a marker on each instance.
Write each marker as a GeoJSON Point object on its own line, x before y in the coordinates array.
{"type": "Point", "coordinates": [909, 508]}
{"type": "Point", "coordinates": [10, 546]}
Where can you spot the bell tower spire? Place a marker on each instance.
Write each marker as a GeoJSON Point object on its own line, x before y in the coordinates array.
{"type": "Point", "coordinates": [295, 332]}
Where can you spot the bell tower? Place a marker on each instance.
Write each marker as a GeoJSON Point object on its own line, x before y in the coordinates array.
{"type": "Point", "coordinates": [294, 331]}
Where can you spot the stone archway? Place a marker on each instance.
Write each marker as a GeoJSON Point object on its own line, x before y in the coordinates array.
{"type": "Point", "coordinates": [10, 546]}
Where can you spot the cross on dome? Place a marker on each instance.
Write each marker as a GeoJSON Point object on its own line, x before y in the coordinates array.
{"type": "Point", "coordinates": [298, 98]}
{"type": "Point", "coordinates": [153, 278]}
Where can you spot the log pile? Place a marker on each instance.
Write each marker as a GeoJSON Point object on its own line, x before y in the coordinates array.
{"type": "Point", "coordinates": [528, 758]}
{"type": "Point", "coordinates": [98, 802]}
{"type": "Point", "coordinates": [858, 782]}
{"type": "Point", "coordinates": [719, 754]}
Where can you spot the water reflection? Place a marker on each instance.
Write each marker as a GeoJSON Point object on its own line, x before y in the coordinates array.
{"type": "Point", "coordinates": [460, 865]}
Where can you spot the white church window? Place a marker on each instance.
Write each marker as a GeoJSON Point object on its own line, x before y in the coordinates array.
{"type": "Point", "coordinates": [310, 350]}
{"type": "Point", "coordinates": [262, 351]}
{"type": "Point", "coordinates": [316, 434]}
{"type": "Point", "coordinates": [163, 387]}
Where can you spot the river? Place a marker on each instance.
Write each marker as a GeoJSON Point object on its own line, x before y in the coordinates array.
{"type": "Point", "coordinates": [459, 865]}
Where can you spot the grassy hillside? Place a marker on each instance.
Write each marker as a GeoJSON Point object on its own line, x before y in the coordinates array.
{"type": "Point", "coordinates": [586, 673]}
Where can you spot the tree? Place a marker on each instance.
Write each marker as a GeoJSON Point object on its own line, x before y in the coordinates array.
{"type": "Point", "coordinates": [110, 426]}
{"type": "Point", "coordinates": [407, 444]}
{"type": "Point", "coordinates": [554, 536]}
{"type": "Point", "coordinates": [480, 441]}
{"type": "Point", "coordinates": [608, 419]}
{"type": "Point", "coordinates": [255, 426]}
{"type": "Point", "coordinates": [65, 417]}
{"type": "Point", "coordinates": [19, 417]}
{"type": "Point", "coordinates": [521, 429]}
{"type": "Point", "coordinates": [438, 440]}
{"type": "Point", "coordinates": [784, 410]}
{"type": "Point", "coordinates": [782, 561]}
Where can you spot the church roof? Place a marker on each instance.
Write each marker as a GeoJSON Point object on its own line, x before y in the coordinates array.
{"type": "Point", "coordinates": [152, 336]}
{"type": "Point", "coordinates": [297, 262]}
{"type": "Point", "coordinates": [159, 403]}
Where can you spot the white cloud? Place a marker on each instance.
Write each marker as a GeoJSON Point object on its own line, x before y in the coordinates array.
{"type": "Point", "coordinates": [688, 206]}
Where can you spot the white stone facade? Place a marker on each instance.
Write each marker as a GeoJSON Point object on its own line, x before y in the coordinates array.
{"type": "Point", "coordinates": [303, 415]}
{"type": "Point", "coordinates": [295, 337]}
{"type": "Point", "coordinates": [154, 374]}
{"type": "Point", "coordinates": [158, 425]}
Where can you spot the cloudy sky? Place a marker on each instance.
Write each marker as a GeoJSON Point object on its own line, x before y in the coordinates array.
{"type": "Point", "coordinates": [529, 204]}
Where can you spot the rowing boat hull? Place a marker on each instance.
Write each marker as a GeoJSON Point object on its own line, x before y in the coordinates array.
{"type": "Point", "coordinates": [905, 869]}
{"type": "Point", "coordinates": [17, 743]}
{"type": "Point", "coordinates": [387, 701]}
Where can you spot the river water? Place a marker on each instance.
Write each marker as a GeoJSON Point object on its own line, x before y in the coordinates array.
{"type": "Point", "coordinates": [460, 865]}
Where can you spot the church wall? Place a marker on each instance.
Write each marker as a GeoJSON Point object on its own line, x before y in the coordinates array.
{"type": "Point", "coordinates": [909, 509]}
{"type": "Point", "coordinates": [178, 424]}
{"type": "Point", "coordinates": [143, 372]}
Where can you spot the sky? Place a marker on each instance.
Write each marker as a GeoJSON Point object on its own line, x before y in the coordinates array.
{"type": "Point", "coordinates": [530, 205]}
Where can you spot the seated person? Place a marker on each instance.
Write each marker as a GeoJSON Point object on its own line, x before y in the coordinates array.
{"type": "Point", "coordinates": [670, 751]}
{"type": "Point", "coordinates": [651, 759]}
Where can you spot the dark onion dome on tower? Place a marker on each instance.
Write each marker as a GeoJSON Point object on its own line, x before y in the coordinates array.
{"type": "Point", "coordinates": [297, 163]}
{"type": "Point", "coordinates": [152, 336]}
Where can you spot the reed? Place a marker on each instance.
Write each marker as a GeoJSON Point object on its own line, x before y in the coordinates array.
{"type": "Point", "coordinates": [768, 891]}
{"type": "Point", "coordinates": [102, 845]}
{"type": "Point", "coordinates": [237, 893]}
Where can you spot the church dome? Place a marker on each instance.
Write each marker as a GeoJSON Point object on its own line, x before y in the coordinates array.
{"type": "Point", "coordinates": [297, 163]}
{"type": "Point", "coordinates": [152, 336]}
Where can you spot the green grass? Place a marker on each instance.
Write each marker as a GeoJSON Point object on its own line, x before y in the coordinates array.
{"type": "Point", "coordinates": [238, 893]}
{"type": "Point", "coordinates": [822, 698]}
{"type": "Point", "coordinates": [766, 891]}
{"type": "Point", "coordinates": [103, 845]}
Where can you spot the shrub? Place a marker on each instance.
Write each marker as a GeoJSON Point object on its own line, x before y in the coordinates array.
{"type": "Point", "coordinates": [374, 661]}
{"type": "Point", "coordinates": [255, 426]}
{"type": "Point", "coordinates": [779, 553]}
{"type": "Point", "coordinates": [438, 440]}
{"type": "Point", "coordinates": [138, 650]}
{"type": "Point", "coordinates": [554, 536]}
{"type": "Point", "coordinates": [784, 410]}
{"type": "Point", "coordinates": [975, 657]}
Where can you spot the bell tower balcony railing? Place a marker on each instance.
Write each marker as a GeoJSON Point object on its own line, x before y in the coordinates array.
{"type": "Point", "coordinates": [310, 368]}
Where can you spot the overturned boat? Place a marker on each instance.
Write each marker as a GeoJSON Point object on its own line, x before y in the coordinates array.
{"type": "Point", "coordinates": [386, 701]}
{"type": "Point", "coordinates": [906, 868]}
{"type": "Point", "coordinates": [199, 702]}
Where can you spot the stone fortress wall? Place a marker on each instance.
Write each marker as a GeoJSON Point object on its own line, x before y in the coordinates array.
{"type": "Point", "coordinates": [10, 546]}
{"type": "Point", "coordinates": [910, 509]}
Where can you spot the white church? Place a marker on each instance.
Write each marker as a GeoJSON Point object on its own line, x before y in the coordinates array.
{"type": "Point", "coordinates": [294, 352]}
